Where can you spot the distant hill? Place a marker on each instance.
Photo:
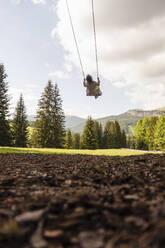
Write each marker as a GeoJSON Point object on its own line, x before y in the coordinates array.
{"type": "Point", "coordinates": [72, 121]}
{"type": "Point", "coordinates": [126, 120]}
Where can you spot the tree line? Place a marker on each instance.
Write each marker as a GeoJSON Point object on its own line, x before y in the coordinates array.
{"type": "Point", "coordinates": [49, 126]}
{"type": "Point", "coordinates": [94, 136]}
{"type": "Point", "coordinates": [150, 133]}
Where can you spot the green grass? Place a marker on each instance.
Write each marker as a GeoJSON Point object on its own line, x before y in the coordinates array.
{"type": "Point", "coordinates": [105, 152]}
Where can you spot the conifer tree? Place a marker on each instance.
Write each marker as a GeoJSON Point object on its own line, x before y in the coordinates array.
{"type": "Point", "coordinates": [5, 135]}
{"type": "Point", "coordinates": [33, 138]}
{"type": "Point", "coordinates": [140, 134]}
{"type": "Point", "coordinates": [96, 130]}
{"type": "Point", "coordinates": [50, 118]}
{"type": "Point", "coordinates": [68, 140]}
{"type": "Point", "coordinates": [106, 135]}
{"type": "Point", "coordinates": [160, 134]}
{"type": "Point", "coordinates": [118, 136]}
{"type": "Point", "coordinates": [116, 131]}
{"type": "Point", "coordinates": [150, 132]}
{"type": "Point", "coordinates": [123, 139]}
{"type": "Point", "coordinates": [98, 133]}
{"type": "Point", "coordinates": [129, 141]}
{"type": "Point", "coordinates": [76, 141]}
{"type": "Point", "coordinates": [133, 142]}
{"type": "Point", "coordinates": [100, 136]}
{"type": "Point", "coordinates": [20, 124]}
{"type": "Point", "coordinates": [112, 137]}
{"type": "Point", "coordinates": [88, 140]}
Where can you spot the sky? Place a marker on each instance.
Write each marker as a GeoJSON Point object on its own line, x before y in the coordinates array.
{"type": "Point", "coordinates": [37, 45]}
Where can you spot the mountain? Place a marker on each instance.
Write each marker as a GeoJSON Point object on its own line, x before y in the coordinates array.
{"type": "Point", "coordinates": [72, 121]}
{"type": "Point", "coordinates": [126, 120]}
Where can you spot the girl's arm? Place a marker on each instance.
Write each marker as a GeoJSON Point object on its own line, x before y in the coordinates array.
{"type": "Point", "coordinates": [98, 81]}
{"type": "Point", "coordinates": [84, 82]}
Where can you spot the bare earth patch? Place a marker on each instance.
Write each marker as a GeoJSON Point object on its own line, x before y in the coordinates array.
{"type": "Point", "coordinates": [80, 201]}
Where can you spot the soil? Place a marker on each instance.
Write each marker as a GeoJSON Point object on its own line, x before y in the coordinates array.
{"type": "Point", "coordinates": [81, 201]}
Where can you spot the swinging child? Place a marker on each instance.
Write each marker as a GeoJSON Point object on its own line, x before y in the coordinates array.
{"type": "Point", "coordinates": [93, 88]}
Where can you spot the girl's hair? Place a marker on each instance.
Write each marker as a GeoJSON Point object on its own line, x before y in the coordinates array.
{"type": "Point", "coordinates": [89, 78]}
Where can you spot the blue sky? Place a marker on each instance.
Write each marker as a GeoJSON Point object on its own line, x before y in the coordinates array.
{"type": "Point", "coordinates": [37, 45]}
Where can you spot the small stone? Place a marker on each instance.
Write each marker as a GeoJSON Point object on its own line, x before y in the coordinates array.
{"type": "Point", "coordinates": [131, 197]}
{"type": "Point", "coordinates": [6, 212]}
{"type": "Point", "coordinates": [30, 216]}
{"type": "Point", "coordinates": [37, 240]}
{"type": "Point", "coordinates": [68, 182]}
{"type": "Point", "coordinates": [79, 210]}
{"type": "Point", "coordinates": [91, 240]}
{"type": "Point", "coordinates": [51, 234]}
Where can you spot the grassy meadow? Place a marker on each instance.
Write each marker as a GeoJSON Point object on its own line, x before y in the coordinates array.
{"type": "Point", "coordinates": [104, 152]}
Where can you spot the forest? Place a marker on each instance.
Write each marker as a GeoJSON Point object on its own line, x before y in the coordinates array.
{"type": "Point", "coordinates": [48, 129]}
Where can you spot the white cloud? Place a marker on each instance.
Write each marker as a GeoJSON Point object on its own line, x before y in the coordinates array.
{"type": "Point", "coordinates": [59, 74]}
{"type": "Point", "coordinates": [53, 5]}
{"type": "Point", "coordinates": [149, 94]}
{"type": "Point", "coordinates": [53, 33]}
{"type": "Point", "coordinates": [131, 44]}
{"type": "Point", "coordinates": [47, 65]}
{"type": "Point", "coordinates": [39, 1]}
{"type": "Point", "coordinates": [16, 1]}
{"type": "Point", "coordinates": [68, 67]}
{"type": "Point", "coordinates": [33, 1]}
{"type": "Point", "coordinates": [30, 95]}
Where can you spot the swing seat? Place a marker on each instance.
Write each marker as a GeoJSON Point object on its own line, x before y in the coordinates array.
{"type": "Point", "coordinates": [88, 94]}
{"type": "Point", "coordinates": [95, 95]}
{"type": "Point", "coordinates": [99, 94]}
{"type": "Point", "coordinates": [94, 92]}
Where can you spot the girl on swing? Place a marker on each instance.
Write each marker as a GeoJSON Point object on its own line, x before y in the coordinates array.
{"type": "Point", "coordinates": [93, 88]}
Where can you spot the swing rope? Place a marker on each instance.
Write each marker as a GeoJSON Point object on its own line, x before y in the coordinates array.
{"type": "Point", "coordinates": [95, 38]}
{"type": "Point", "coordinates": [71, 22]}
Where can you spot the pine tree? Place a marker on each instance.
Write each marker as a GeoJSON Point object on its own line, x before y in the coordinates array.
{"type": "Point", "coordinates": [118, 136]}
{"type": "Point", "coordinates": [123, 139]}
{"type": "Point", "coordinates": [20, 124]}
{"type": "Point", "coordinates": [68, 140]}
{"type": "Point", "coordinates": [88, 140]}
{"type": "Point", "coordinates": [112, 135]}
{"type": "Point", "coordinates": [129, 141]}
{"type": "Point", "coordinates": [5, 136]}
{"type": "Point", "coordinates": [100, 136]}
{"type": "Point", "coordinates": [106, 135]}
{"type": "Point", "coordinates": [150, 132]}
{"type": "Point", "coordinates": [140, 134]}
{"type": "Point", "coordinates": [50, 118]}
{"type": "Point", "coordinates": [98, 133]}
{"type": "Point", "coordinates": [33, 138]}
{"type": "Point", "coordinates": [76, 141]}
{"type": "Point", "coordinates": [159, 136]}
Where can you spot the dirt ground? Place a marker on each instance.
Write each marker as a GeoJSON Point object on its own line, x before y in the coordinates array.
{"type": "Point", "coordinates": [80, 201]}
